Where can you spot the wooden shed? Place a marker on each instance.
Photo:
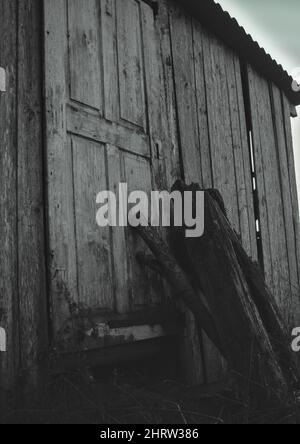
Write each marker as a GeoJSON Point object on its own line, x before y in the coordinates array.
{"type": "Point", "coordinates": [99, 92]}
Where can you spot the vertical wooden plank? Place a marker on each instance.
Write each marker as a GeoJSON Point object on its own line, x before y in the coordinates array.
{"type": "Point", "coordinates": [199, 34]}
{"type": "Point", "coordinates": [8, 197]}
{"type": "Point", "coordinates": [237, 141]}
{"type": "Point", "coordinates": [31, 228]}
{"type": "Point", "coordinates": [131, 66]}
{"type": "Point", "coordinates": [292, 174]}
{"type": "Point", "coordinates": [257, 146]}
{"type": "Point", "coordinates": [155, 95]}
{"type": "Point", "coordinates": [145, 287]}
{"type": "Point", "coordinates": [293, 182]}
{"type": "Point", "coordinates": [183, 60]}
{"type": "Point", "coordinates": [110, 60]}
{"type": "Point", "coordinates": [190, 346]}
{"type": "Point", "coordinates": [93, 242]}
{"type": "Point", "coordinates": [246, 158]}
{"type": "Point", "coordinates": [84, 48]}
{"type": "Point", "coordinates": [212, 362]}
{"type": "Point", "coordinates": [119, 245]}
{"type": "Point", "coordinates": [224, 174]}
{"type": "Point", "coordinates": [170, 128]}
{"type": "Point", "coordinates": [63, 269]}
{"type": "Point", "coordinates": [269, 192]}
{"type": "Point", "coordinates": [287, 203]}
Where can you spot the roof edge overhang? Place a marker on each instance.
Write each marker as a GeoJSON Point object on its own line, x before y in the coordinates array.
{"type": "Point", "coordinates": [215, 19]}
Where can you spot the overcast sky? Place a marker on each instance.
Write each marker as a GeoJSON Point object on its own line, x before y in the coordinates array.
{"type": "Point", "coordinates": [275, 24]}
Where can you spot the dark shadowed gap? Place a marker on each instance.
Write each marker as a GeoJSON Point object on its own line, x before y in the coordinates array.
{"type": "Point", "coordinates": [246, 92]}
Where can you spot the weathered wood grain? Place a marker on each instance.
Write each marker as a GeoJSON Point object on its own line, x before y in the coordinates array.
{"type": "Point", "coordinates": [131, 65]}
{"type": "Point", "coordinates": [86, 124]}
{"type": "Point", "coordinates": [119, 243]}
{"type": "Point", "coordinates": [270, 193]}
{"type": "Point", "coordinates": [144, 287]}
{"type": "Point", "coordinates": [84, 31]}
{"type": "Point", "coordinates": [31, 227]}
{"type": "Point", "coordinates": [202, 112]}
{"type": "Point", "coordinates": [224, 174]}
{"type": "Point", "coordinates": [156, 110]}
{"type": "Point", "coordinates": [93, 243]}
{"type": "Point", "coordinates": [184, 73]}
{"type": "Point", "coordinates": [61, 221]}
{"type": "Point", "coordinates": [110, 60]}
{"type": "Point", "coordinates": [293, 188]}
{"type": "Point", "coordinates": [293, 302]}
{"type": "Point", "coordinates": [238, 151]}
{"type": "Point", "coordinates": [171, 150]}
{"type": "Point", "coordinates": [190, 340]}
{"type": "Point", "coordinates": [254, 90]}
{"type": "Point", "coordinates": [246, 158]}
{"type": "Point", "coordinates": [292, 175]}
{"type": "Point", "coordinates": [8, 198]}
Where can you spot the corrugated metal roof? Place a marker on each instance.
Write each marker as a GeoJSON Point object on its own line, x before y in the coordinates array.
{"type": "Point", "coordinates": [220, 22]}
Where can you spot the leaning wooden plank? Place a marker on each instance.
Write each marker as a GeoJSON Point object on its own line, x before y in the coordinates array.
{"type": "Point", "coordinates": [240, 322]}
{"type": "Point", "coordinates": [245, 317]}
{"type": "Point", "coordinates": [183, 289]}
{"type": "Point", "coordinates": [268, 310]}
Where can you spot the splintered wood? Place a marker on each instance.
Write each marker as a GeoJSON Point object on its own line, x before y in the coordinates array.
{"type": "Point", "coordinates": [229, 298]}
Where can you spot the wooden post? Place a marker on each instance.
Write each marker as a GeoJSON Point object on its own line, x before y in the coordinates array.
{"type": "Point", "coordinates": [8, 197]}
{"type": "Point", "coordinates": [31, 225]}
{"type": "Point", "coordinates": [23, 300]}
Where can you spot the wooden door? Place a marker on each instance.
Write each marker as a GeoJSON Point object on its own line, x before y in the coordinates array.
{"type": "Point", "coordinates": [103, 114]}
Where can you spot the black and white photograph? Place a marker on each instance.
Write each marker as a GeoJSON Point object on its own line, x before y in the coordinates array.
{"type": "Point", "coordinates": [149, 215]}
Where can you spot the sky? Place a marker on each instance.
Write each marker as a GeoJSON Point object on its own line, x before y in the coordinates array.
{"type": "Point", "coordinates": [275, 25]}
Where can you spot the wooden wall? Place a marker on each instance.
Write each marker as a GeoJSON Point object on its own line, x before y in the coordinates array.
{"type": "Point", "coordinates": [191, 114]}
{"type": "Point", "coordinates": [277, 193]}
{"type": "Point", "coordinates": [23, 297]}
{"type": "Point", "coordinates": [207, 122]}
{"type": "Point", "coordinates": [214, 102]}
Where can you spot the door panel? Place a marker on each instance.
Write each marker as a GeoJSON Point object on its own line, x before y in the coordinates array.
{"type": "Point", "coordinates": [131, 78]}
{"type": "Point", "coordinates": [84, 50]}
{"type": "Point", "coordinates": [94, 266]}
{"type": "Point", "coordinates": [100, 132]}
{"type": "Point", "coordinates": [138, 177]}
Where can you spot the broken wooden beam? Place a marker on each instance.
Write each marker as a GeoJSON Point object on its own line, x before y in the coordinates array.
{"type": "Point", "coordinates": [228, 296]}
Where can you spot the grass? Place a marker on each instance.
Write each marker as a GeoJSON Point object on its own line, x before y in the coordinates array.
{"type": "Point", "coordinates": [141, 395]}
